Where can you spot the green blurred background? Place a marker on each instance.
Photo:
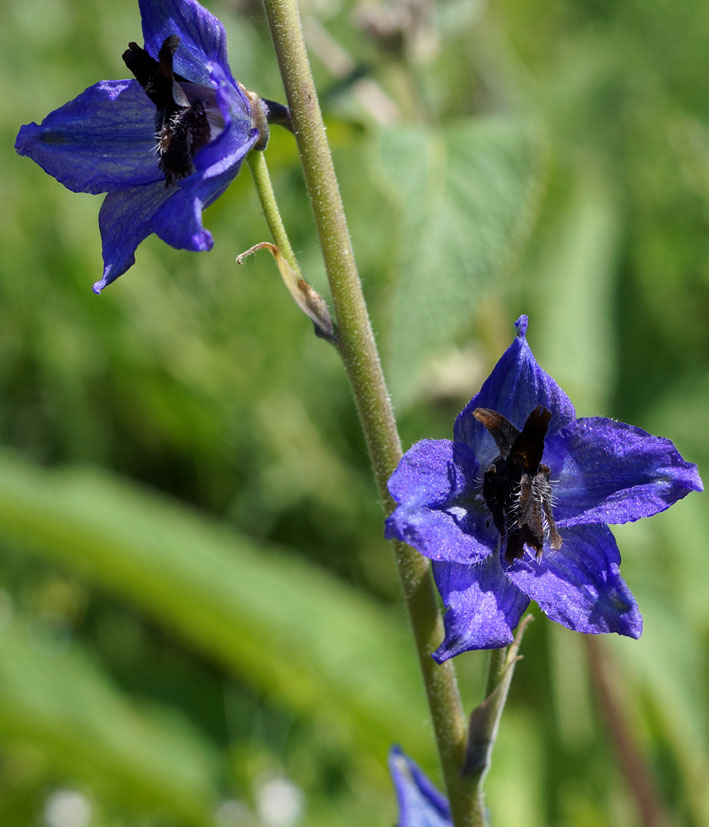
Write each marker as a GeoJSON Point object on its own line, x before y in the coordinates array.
{"type": "Point", "coordinates": [200, 623]}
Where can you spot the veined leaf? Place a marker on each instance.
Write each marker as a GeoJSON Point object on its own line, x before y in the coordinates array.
{"type": "Point", "coordinates": [465, 195]}
{"type": "Point", "coordinates": [575, 285]}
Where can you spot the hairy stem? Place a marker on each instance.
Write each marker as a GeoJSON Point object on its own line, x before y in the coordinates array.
{"type": "Point", "coordinates": [495, 669]}
{"type": "Point", "coordinates": [361, 359]}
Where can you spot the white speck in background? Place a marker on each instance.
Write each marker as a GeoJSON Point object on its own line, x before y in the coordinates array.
{"type": "Point", "coordinates": [279, 802]}
{"type": "Point", "coordinates": [233, 813]}
{"type": "Point", "coordinates": [67, 808]}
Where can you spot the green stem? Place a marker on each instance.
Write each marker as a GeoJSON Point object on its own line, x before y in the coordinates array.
{"type": "Point", "coordinates": [361, 359]}
{"type": "Point", "coordinates": [262, 180]}
{"type": "Point", "coordinates": [485, 719]}
{"type": "Point", "coordinates": [495, 669]}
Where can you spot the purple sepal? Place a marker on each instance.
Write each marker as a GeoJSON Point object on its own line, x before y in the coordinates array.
{"type": "Point", "coordinates": [609, 472]}
{"type": "Point", "coordinates": [483, 606]}
{"type": "Point", "coordinates": [124, 221]}
{"type": "Point", "coordinates": [175, 214]}
{"type": "Point", "coordinates": [420, 803]}
{"type": "Point", "coordinates": [202, 36]}
{"type": "Point", "coordinates": [579, 585]}
{"type": "Point", "coordinates": [433, 472]}
{"type": "Point", "coordinates": [101, 140]}
{"type": "Point", "coordinates": [514, 388]}
{"type": "Point", "coordinates": [437, 514]}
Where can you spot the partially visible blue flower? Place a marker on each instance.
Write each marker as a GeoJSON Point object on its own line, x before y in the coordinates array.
{"type": "Point", "coordinates": [515, 507]}
{"type": "Point", "coordinates": [163, 146]}
{"type": "Point", "coordinates": [420, 803]}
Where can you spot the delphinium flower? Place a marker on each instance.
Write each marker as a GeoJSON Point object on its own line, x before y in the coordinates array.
{"type": "Point", "coordinates": [420, 803]}
{"type": "Point", "coordinates": [163, 145]}
{"type": "Point", "coordinates": [516, 507]}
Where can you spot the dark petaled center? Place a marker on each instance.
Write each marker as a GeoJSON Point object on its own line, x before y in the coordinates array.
{"type": "Point", "coordinates": [181, 123]}
{"type": "Point", "coordinates": [517, 487]}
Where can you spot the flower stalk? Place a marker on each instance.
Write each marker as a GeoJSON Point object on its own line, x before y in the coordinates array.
{"type": "Point", "coordinates": [361, 359]}
{"type": "Point", "coordinates": [264, 188]}
{"type": "Point", "coordinates": [485, 719]}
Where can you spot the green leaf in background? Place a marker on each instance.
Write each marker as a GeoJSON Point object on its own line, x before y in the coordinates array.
{"type": "Point", "coordinates": [466, 195]}
{"type": "Point", "coordinates": [663, 575]}
{"type": "Point", "coordinates": [572, 287]}
{"type": "Point", "coordinates": [54, 698]}
{"type": "Point", "coordinates": [284, 627]}
{"type": "Point", "coordinates": [576, 344]}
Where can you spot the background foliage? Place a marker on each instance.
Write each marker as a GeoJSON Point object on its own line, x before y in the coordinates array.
{"type": "Point", "coordinates": [196, 604]}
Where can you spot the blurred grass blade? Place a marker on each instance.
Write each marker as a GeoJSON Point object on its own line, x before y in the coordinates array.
{"type": "Point", "coordinates": [284, 627]}
{"type": "Point", "coordinates": [54, 698]}
{"type": "Point", "coordinates": [575, 287]}
{"type": "Point", "coordinates": [467, 195]}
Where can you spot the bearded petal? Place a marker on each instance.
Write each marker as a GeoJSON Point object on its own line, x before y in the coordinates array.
{"type": "Point", "coordinates": [179, 221]}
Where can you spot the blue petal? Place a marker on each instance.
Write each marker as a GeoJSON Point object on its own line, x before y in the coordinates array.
{"type": "Point", "coordinates": [179, 222]}
{"type": "Point", "coordinates": [202, 36]}
{"type": "Point", "coordinates": [432, 473]}
{"type": "Point", "coordinates": [514, 388]}
{"type": "Point", "coordinates": [174, 213]}
{"type": "Point", "coordinates": [102, 140]}
{"type": "Point", "coordinates": [231, 99]}
{"type": "Point", "coordinates": [609, 472]}
{"type": "Point", "coordinates": [435, 534]}
{"type": "Point", "coordinates": [440, 514]}
{"type": "Point", "coordinates": [420, 803]}
{"type": "Point", "coordinates": [483, 606]}
{"type": "Point", "coordinates": [579, 585]}
{"type": "Point", "coordinates": [125, 220]}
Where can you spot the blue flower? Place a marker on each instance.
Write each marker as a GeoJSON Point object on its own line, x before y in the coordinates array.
{"type": "Point", "coordinates": [503, 527]}
{"type": "Point", "coordinates": [163, 146]}
{"type": "Point", "coordinates": [420, 803]}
